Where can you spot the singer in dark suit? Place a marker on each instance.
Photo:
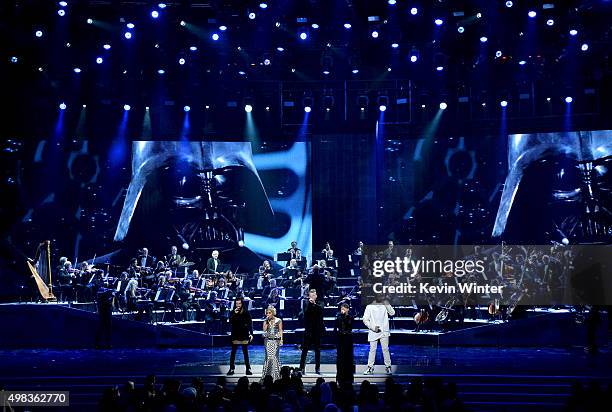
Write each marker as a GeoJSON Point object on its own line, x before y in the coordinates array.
{"type": "Point", "coordinates": [313, 331]}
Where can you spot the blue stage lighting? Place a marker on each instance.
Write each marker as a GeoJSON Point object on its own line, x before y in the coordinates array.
{"type": "Point", "coordinates": [374, 34]}
{"type": "Point", "coordinates": [503, 103]}
{"type": "Point", "coordinates": [509, 3]}
{"type": "Point", "coordinates": [155, 14]}
{"type": "Point", "coordinates": [414, 11]}
{"type": "Point", "coordinates": [162, 5]}
{"type": "Point", "coordinates": [573, 32]}
{"type": "Point", "coordinates": [263, 5]}
{"type": "Point", "coordinates": [392, 2]}
{"type": "Point", "coordinates": [347, 25]}
{"type": "Point", "coordinates": [483, 39]}
{"type": "Point", "coordinates": [222, 28]}
{"type": "Point", "coordinates": [443, 106]}
{"type": "Point", "coordinates": [62, 106]}
{"type": "Point", "coordinates": [215, 36]}
{"type": "Point", "coordinates": [248, 108]}
{"type": "Point", "coordinates": [181, 61]}
{"type": "Point", "coordinates": [355, 71]}
{"type": "Point", "coordinates": [440, 68]}
{"type": "Point", "coordinates": [89, 21]}
{"type": "Point", "coordinates": [99, 60]}
{"type": "Point", "coordinates": [63, 3]}
{"type": "Point", "coordinates": [183, 23]}
{"type": "Point", "coordinates": [303, 35]}
{"type": "Point", "coordinates": [569, 99]}
{"type": "Point", "coordinates": [584, 47]}
{"type": "Point", "coordinates": [128, 35]}
{"type": "Point", "coordinates": [14, 59]}
{"type": "Point", "coordinates": [193, 48]}
{"type": "Point", "coordinates": [252, 16]}
{"type": "Point", "coordinates": [394, 45]}
{"type": "Point", "coordinates": [161, 71]}
{"type": "Point", "coordinates": [267, 62]}
{"type": "Point", "coordinates": [186, 108]}
{"type": "Point", "coordinates": [307, 109]}
{"type": "Point", "coordinates": [38, 33]}
{"type": "Point", "coordinates": [130, 25]}
{"type": "Point", "coordinates": [382, 107]}
{"type": "Point", "coordinates": [314, 26]}
{"type": "Point", "coordinates": [498, 53]}
{"type": "Point", "coordinates": [414, 58]}
{"type": "Point", "coordinates": [107, 47]}
{"type": "Point", "coordinates": [550, 22]}
{"type": "Point", "coordinates": [522, 62]}
{"type": "Point", "coordinates": [61, 12]}
{"type": "Point", "coordinates": [439, 22]}
{"type": "Point", "coordinates": [460, 29]}
{"type": "Point", "coordinates": [532, 14]}
{"type": "Point", "coordinates": [77, 70]}
{"type": "Point", "coordinates": [280, 49]}
{"type": "Point", "coordinates": [126, 107]}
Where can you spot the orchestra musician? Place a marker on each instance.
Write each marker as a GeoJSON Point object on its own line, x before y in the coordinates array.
{"type": "Point", "coordinates": [213, 264]}
{"type": "Point", "coordinates": [144, 259]}
{"type": "Point", "coordinates": [327, 251]}
{"type": "Point", "coordinates": [173, 260]}
{"type": "Point", "coordinates": [187, 301]}
{"type": "Point", "coordinates": [359, 250]}
{"type": "Point", "coordinates": [293, 250]}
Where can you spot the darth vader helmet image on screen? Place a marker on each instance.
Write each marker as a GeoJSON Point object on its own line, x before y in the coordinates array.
{"type": "Point", "coordinates": [200, 195]}
{"type": "Point", "coordinates": [558, 188]}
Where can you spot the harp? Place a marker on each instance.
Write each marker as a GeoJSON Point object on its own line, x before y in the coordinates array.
{"type": "Point", "coordinates": [40, 267]}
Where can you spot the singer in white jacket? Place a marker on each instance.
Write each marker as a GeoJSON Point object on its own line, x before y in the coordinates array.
{"type": "Point", "coordinates": [376, 319]}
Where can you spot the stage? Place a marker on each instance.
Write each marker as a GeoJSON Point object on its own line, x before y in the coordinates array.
{"type": "Point", "coordinates": [488, 379]}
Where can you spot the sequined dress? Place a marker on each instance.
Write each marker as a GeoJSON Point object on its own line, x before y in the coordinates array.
{"type": "Point", "coordinates": [272, 338]}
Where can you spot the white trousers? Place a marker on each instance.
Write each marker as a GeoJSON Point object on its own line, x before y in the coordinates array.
{"type": "Point", "coordinates": [384, 343]}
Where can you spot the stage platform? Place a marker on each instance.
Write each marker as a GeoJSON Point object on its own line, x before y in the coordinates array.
{"type": "Point", "coordinates": [487, 378]}
{"type": "Point", "coordinates": [52, 325]}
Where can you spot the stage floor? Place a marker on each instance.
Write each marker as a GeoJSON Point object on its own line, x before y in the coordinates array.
{"type": "Point", "coordinates": [488, 379]}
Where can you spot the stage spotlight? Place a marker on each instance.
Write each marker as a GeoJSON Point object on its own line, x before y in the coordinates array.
{"type": "Point", "coordinates": [128, 35]}
{"type": "Point", "coordinates": [326, 72]}
{"type": "Point", "coordinates": [248, 108]}
{"type": "Point", "coordinates": [522, 62]}
{"type": "Point", "coordinates": [263, 5]}
{"type": "Point", "coordinates": [573, 32]}
{"type": "Point", "coordinates": [38, 33]}
{"type": "Point", "coordinates": [242, 73]}
{"type": "Point", "coordinates": [374, 34]}
{"type": "Point", "coordinates": [303, 35]}
{"type": "Point", "coordinates": [550, 22]}
{"type": "Point", "coordinates": [584, 47]}
{"type": "Point", "coordinates": [267, 108]}
{"type": "Point", "coordinates": [215, 36]}
{"type": "Point", "coordinates": [478, 15]}
{"type": "Point", "coordinates": [503, 103]}
{"type": "Point", "coordinates": [193, 48]}
{"type": "Point", "coordinates": [77, 70]}
{"type": "Point", "coordinates": [355, 71]}
{"type": "Point", "coordinates": [62, 106]}
{"type": "Point", "coordinates": [347, 25]}
{"type": "Point", "coordinates": [99, 60]}
{"type": "Point", "coordinates": [252, 16]}
{"type": "Point", "coordinates": [280, 49]}
{"type": "Point", "coordinates": [107, 47]}
{"type": "Point", "coordinates": [443, 106]}
{"type": "Point", "coordinates": [460, 29]}
{"type": "Point", "coordinates": [130, 25]}
{"type": "Point", "coordinates": [568, 99]}
{"type": "Point", "coordinates": [162, 5]}
{"type": "Point", "coordinates": [147, 108]}
{"type": "Point", "coordinates": [439, 22]}
{"type": "Point", "coordinates": [84, 106]}
{"type": "Point", "coordinates": [392, 2]}
{"type": "Point", "coordinates": [548, 99]}
{"type": "Point", "coordinates": [89, 21]}
{"type": "Point", "coordinates": [382, 107]}
{"type": "Point", "coordinates": [414, 11]}
{"type": "Point", "coordinates": [509, 3]}
{"type": "Point", "coordinates": [414, 58]}
{"type": "Point", "coordinates": [161, 71]}
{"type": "Point", "coordinates": [532, 14]}
{"type": "Point", "coordinates": [307, 109]}
{"type": "Point", "coordinates": [394, 45]}
{"type": "Point", "coordinates": [61, 12]}
{"type": "Point", "coordinates": [498, 53]}
{"type": "Point", "coordinates": [266, 62]}
{"type": "Point", "coordinates": [127, 107]}
{"type": "Point", "coordinates": [181, 61]}
{"type": "Point", "coordinates": [63, 3]}
{"type": "Point", "coordinates": [186, 108]}
{"type": "Point", "coordinates": [483, 39]}
{"type": "Point", "coordinates": [14, 59]}
{"type": "Point", "coordinates": [183, 23]}
{"type": "Point", "coordinates": [440, 68]}
{"type": "Point", "coordinates": [314, 26]}
{"type": "Point", "coordinates": [155, 14]}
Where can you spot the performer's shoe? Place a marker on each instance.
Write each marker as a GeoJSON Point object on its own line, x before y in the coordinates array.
{"type": "Point", "coordinates": [369, 371]}
{"type": "Point", "coordinates": [248, 372]}
{"type": "Point", "coordinates": [317, 371]}
{"type": "Point", "coordinates": [230, 372]}
{"type": "Point", "coordinates": [388, 370]}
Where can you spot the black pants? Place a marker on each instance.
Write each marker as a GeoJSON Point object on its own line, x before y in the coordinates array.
{"type": "Point", "coordinates": [245, 353]}
{"type": "Point", "coordinates": [308, 345]}
{"type": "Point", "coordinates": [345, 363]}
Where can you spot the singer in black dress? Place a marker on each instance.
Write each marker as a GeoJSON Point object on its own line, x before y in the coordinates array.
{"type": "Point", "coordinates": [242, 334]}
{"type": "Point", "coordinates": [345, 364]}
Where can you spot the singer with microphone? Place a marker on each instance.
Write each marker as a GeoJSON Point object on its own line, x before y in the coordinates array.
{"type": "Point", "coordinates": [242, 334]}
